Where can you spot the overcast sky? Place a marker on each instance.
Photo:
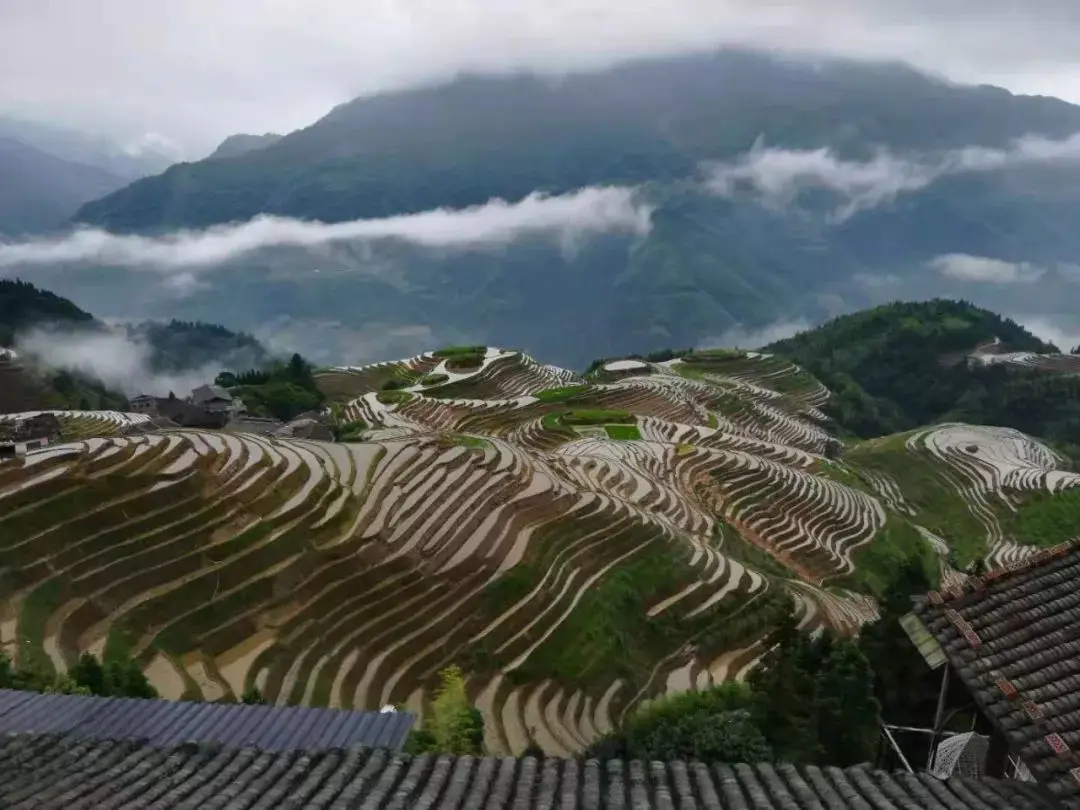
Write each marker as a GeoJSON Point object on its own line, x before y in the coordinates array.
{"type": "Point", "coordinates": [195, 71]}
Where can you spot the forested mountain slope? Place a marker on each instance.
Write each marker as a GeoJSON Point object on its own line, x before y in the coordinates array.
{"type": "Point", "coordinates": [902, 365]}
{"type": "Point", "coordinates": [885, 172]}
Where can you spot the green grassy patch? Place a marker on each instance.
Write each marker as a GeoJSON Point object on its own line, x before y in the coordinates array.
{"type": "Point", "coordinates": [464, 441]}
{"type": "Point", "coordinates": [877, 562]}
{"type": "Point", "coordinates": [561, 394]}
{"type": "Point", "coordinates": [458, 351]}
{"type": "Point", "coordinates": [1044, 518]}
{"type": "Point", "coordinates": [391, 397]}
{"type": "Point", "coordinates": [712, 355]}
{"type": "Point", "coordinates": [927, 487]}
{"type": "Point", "coordinates": [434, 379]}
{"type": "Point", "coordinates": [623, 432]}
{"type": "Point", "coordinates": [464, 362]}
{"type": "Point", "coordinates": [597, 416]}
{"type": "Point", "coordinates": [738, 548]}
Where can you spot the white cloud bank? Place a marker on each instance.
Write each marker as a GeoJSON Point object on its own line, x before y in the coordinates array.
{"type": "Point", "coordinates": [778, 176]}
{"type": "Point", "coordinates": [112, 357]}
{"type": "Point", "coordinates": [965, 267]}
{"type": "Point", "coordinates": [570, 216]}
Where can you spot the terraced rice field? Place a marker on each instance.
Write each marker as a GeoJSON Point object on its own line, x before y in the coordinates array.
{"type": "Point", "coordinates": [572, 575]}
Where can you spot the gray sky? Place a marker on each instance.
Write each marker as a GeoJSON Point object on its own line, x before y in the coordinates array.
{"type": "Point", "coordinates": [195, 71]}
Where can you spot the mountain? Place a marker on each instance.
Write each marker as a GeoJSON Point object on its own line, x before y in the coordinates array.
{"type": "Point", "coordinates": [40, 191]}
{"type": "Point", "coordinates": [22, 306]}
{"type": "Point", "coordinates": [902, 365]}
{"type": "Point", "coordinates": [80, 147]}
{"type": "Point", "coordinates": [241, 144]}
{"type": "Point", "coordinates": [576, 544]}
{"type": "Point", "coordinates": [741, 236]}
{"type": "Point", "coordinates": [478, 138]}
{"type": "Point", "coordinates": [67, 358]}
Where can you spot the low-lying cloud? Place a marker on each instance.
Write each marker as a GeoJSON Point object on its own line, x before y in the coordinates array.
{"type": "Point", "coordinates": [776, 177]}
{"type": "Point", "coordinates": [965, 267]}
{"type": "Point", "coordinates": [121, 362]}
{"type": "Point", "coordinates": [569, 217]}
{"type": "Point", "coordinates": [743, 337]}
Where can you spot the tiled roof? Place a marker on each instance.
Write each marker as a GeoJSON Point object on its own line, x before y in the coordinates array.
{"type": "Point", "coordinates": [55, 772]}
{"type": "Point", "coordinates": [168, 722]}
{"type": "Point", "coordinates": [1013, 637]}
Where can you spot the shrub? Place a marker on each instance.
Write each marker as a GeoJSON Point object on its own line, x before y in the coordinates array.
{"type": "Point", "coordinates": [560, 394]}
{"type": "Point", "coordinates": [394, 384]}
{"type": "Point", "coordinates": [712, 725]}
{"type": "Point", "coordinates": [390, 397]}
{"type": "Point", "coordinates": [456, 351]}
{"type": "Point", "coordinates": [464, 361]}
{"type": "Point", "coordinates": [623, 432]}
{"type": "Point", "coordinates": [713, 355]}
{"type": "Point", "coordinates": [597, 417]}
{"type": "Point", "coordinates": [454, 727]}
{"type": "Point", "coordinates": [434, 379]}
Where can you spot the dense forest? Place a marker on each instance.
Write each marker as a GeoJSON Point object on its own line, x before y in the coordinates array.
{"type": "Point", "coordinates": [23, 305]}
{"type": "Point", "coordinates": [902, 365]}
{"type": "Point", "coordinates": [180, 345]}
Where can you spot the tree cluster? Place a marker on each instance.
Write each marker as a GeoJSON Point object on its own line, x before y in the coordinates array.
{"type": "Point", "coordinates": [810, 700]}
{"type": "Point", "coordinates": [283, 391]}
{"type": "Point", "coordinates": [88, 677]}
{"type": "Point", "coordinates": [902, 365]}
{"type": "Point", "coordinates": [454, 726]}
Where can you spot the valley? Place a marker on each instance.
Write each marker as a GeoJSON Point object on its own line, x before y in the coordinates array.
{"type": "Point", "coordinates": [577, 544]}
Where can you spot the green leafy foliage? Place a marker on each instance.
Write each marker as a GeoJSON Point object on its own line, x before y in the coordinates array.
{"type": "Point", "coordinates": [598, 417]}
{"type": "Point", "coordinates": [283, 391]}
{"type": "Point", "coordinates": [711, 725]}
{"type": "Point", "coordinates": [88, 677]}
{"type": "Point", "coordinates": [561, 394]}
{"type": "Point", "coordinates": [459, 351]}
{"type": "Point", "coordinates": [392, 397]}
{"type": "Point", "coordinates": [810, 700]}
{"type": "Point", "coordinates": [454, 726]}
{"type": "Point", "coordinates": [898, 366]}
{"type": "Point", "coordinates": [23, 305]}
{"type": "Point", "coordinates": [434, 379]}
{"type": "Point", "coordinates": [622, 432]}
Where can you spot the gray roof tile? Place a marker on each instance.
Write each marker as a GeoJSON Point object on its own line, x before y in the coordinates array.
{"type": "Point", "coordinates": [58, 771]}
{"type": "Point", "coordinates": [166, 722]}
{"type": "Point", "coordinates": [1013, 637]}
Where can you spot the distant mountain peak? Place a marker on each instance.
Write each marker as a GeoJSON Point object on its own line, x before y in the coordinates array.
{"type": "Point", "coordinates": [242, 143]}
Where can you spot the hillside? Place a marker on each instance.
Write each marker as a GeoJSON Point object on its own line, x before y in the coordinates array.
{"type": "Point", "coordinates": [236, 145]}
{"type": "Point", "coordinates": [41, 191]}
{"type": "Point", "coordinates": [578, 545]}
{"type": "Point", "coordinates": [902, 365]}
{"type": "Point", "coordinates": [507, 137]}
{"type": "Point", "coordinates": [80, 147]}
{"type": "Point", "coordinates": [23, 305]}
{"type": "Point", "coordinates": [63, 352]}
{"type": "Point", "coordinates": [764, 244]}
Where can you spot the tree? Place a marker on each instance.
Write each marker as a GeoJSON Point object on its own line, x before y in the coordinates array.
{"type": "Point", "coordinates": [713, 725]}
{"type": "Point", "coordinates": [253, 697]}
{"type": "Point", "coordinates": [453, 725]}
{"type": "Point", "coordinates": [848, 714]}
{"type": "Point", "coordinates": [88, 672]}
{"type": "Point", "coordinates": [126, 679]}
{"type": "Point", "coordinates": [705, 736]}
{"type": "Point", "coordinates": [784, 693]}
